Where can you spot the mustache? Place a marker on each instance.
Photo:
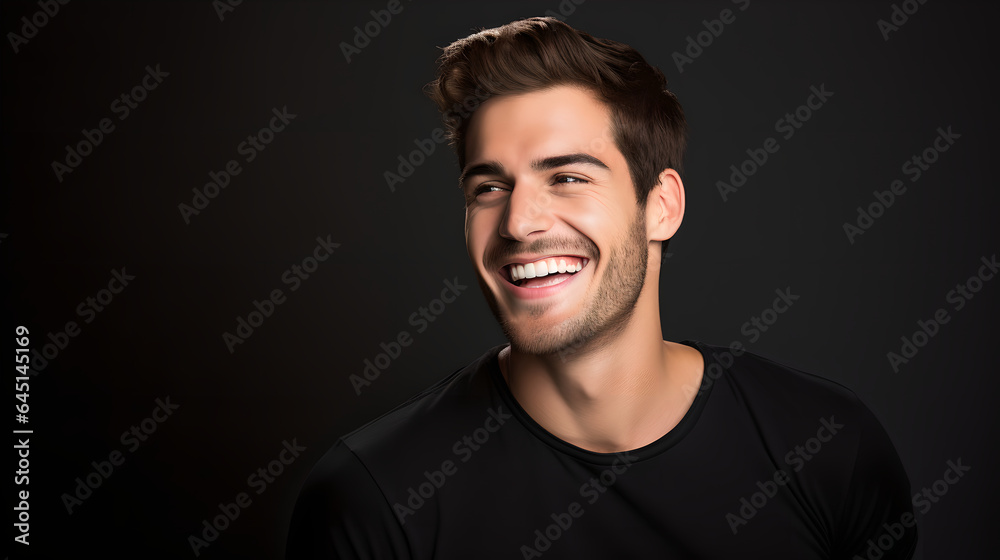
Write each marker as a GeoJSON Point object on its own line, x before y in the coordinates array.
{"type": "Point", "coordinates": [505, 250]}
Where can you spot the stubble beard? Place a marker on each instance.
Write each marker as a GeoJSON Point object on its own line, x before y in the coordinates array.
{"type": "Point", "coordinates": [604, 316]}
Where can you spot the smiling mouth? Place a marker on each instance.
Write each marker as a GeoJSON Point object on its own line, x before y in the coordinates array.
{"type": "Point", "coordinates": [544, 272]}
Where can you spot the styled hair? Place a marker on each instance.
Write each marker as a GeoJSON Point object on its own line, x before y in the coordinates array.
{"type": "Point", "coordinates": [647, 122]}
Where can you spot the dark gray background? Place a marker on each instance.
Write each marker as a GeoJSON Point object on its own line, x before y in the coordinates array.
{"type": "Point", "coordinates": [323, 176]}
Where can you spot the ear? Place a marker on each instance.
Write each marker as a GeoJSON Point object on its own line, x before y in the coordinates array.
{"type": "Point", "coordinates": [665, 206]}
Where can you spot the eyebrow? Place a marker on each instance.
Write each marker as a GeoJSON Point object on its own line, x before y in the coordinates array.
{"type": "Point", "coordinates": [497, 168]}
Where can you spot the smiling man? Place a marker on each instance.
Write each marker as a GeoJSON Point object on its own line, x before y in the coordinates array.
{"type": "Point", "coordinates": [588, 435]}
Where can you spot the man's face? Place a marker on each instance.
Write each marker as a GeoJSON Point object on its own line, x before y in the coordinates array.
{"type": "Point", "coordinates": [545, 183]}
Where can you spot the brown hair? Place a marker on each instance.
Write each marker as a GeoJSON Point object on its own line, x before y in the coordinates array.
{"type": "Point", "coordinates": [527, 55]}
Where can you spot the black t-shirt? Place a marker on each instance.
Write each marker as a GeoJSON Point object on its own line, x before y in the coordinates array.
{"type": "Point", "coordinates": [769, 462]}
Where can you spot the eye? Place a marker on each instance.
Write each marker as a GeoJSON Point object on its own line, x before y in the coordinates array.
{"type": "Point", "coordinates": [568, 179]}
{"type": "Point", "coordinates": [487, 188]}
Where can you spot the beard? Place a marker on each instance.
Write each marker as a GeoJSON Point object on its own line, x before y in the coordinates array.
{"type": "Point", "coordinates": [603, 317]}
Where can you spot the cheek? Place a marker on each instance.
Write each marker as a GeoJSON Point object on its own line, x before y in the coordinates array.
{"type": "Point", "coordinates": [596, 218]}
{"type": "Point", "coordinates": [479, 226]}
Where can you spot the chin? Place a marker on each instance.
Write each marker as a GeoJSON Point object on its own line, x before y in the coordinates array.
{"type": "Point", "coordinates": [547, 339]}
{"type": "Point", "coordinates": [545, 344]}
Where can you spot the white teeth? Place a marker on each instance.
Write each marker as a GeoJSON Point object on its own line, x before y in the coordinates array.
{"type": "Point", "coordinates": [542, 268]}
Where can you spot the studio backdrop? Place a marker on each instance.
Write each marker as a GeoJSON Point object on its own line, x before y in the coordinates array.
{"type": "Point", "coordinates": [221, 218]}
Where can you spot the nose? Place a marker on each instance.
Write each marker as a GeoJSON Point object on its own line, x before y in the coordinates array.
{"type": "Point", "coordinates": [529, 211]}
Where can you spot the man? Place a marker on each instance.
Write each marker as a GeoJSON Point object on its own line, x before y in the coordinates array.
{"type": "Point", "coordinates": [589, 436]}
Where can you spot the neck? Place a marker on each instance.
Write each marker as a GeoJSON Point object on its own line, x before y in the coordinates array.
{"type": "Point", "coordinates": [616, 393]}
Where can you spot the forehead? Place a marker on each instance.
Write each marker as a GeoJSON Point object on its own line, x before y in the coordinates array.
{"type": "Point", "coordinates": [561, 119]}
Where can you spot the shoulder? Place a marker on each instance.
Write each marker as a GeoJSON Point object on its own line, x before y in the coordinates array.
{"type": "Point", "coordinates": [775, 390]}
{"type": "Point", "coordinates": [343, 507]}
{"type": "Point", "coordinates": [419, 422]}
{"type": "Point", "coordinates": [797, 409]}
{"type": "Point", "coordinates": [827, 440]}
{"type": "Point", "coordinates": [431, 414]}
{"type": "Point", "coordinates": [801, 419]}
{"type": "Point", "coordinates": [340, 513]}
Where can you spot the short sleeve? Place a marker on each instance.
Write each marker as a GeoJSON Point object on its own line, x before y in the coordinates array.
{"type": "Point", "coordinates": [342, 514]}
{"type": "Point", "coordinates": [877, 518]}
